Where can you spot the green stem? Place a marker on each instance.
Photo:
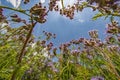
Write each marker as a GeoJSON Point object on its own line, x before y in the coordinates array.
{"type": "Point", "coordinates": [62, 3]}
{"type": "Point", "coordinates": [23, 48]}
{"type": "Point", "coordinates": [104, 53]}
{"type": "Point", "coordinates": [13, 9]}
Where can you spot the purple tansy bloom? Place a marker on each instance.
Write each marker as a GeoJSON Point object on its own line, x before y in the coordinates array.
{"type": "Point", "coordinates": [97, 78]}
{"type": "Point", "coordinates": [55, 70]}
{"type": "Point", "coordinates": [50, 64]}
{"type": "Point", "coordinates": [75, 52]}
{"type": "Point", "coordinates": [117, 1]}
{"type": "Point", "coordinates": [89, 56]}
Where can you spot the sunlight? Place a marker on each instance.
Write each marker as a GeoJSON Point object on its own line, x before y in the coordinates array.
{"type": "Point", "coordinates": [66, 3]}
{"type": "Point", "coordinates": [81, 20]}
{"type": "Point", "coordinates": [42, 1]}
{"type": "Point", "coordinates": [15, 3]}
{"type": "Point", "coordinates": [70, 2]}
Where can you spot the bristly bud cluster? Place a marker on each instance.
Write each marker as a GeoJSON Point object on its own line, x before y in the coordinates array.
{"type": "Point", "coordinates": [2, 17]}
{"type": "Point", "coordinates": [93, 34]}
{"type": "Point", "coordinates": [49, 35]}
{"type": "Point", "coordinates": [26, 1]}
{"type": "Point", "coordinates": [106, 6]}
{"type": "Point", "coordinates": [113, 28]}
{"type": "Point", "coordinates": [39, 12]}
{"type": "Point", "coordinates": [52, 5]}
{"type": "Point", "coordinates": [15, 18]}
{"type": "Point", "coordinates": [68, 12]}
{"type": "Point", "coordinates": [75, 52]}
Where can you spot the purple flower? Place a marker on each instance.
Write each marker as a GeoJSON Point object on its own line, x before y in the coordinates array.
{"type": "Point", "coordinates": [93, 33]}
{"type": "Point", "coordinates": [50, 64]}
{"type": "Point", "coordinates": [97, 78]}
{"type": "Point", "coordinates": [89, 56]}
{"type": "Point", "coordinates": [75, 52]}
{"type": "Point", "coordinates": [55, 70]}
{"type": "Point", "coordinates": [116, 0]}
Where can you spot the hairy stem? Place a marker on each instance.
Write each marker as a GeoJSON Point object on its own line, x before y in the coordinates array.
{"type": "Point", "coordinates": [26, 41]}
{"type": "Point", "coordinates": [13, 9]}
{"type": "Point", "coordinates": [62, 3]}
{"type": "Point", "coordinates": [23, 49]}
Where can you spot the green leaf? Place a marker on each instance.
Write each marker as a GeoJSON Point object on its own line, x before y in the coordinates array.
{"type": "Point", "coordinates": [97, 16]}
{"type": "Point", "coordinates": [116, 14]}
{"type": "Point", "coordinates": [112, 18]}
{"type": "Point", "coordinates": [106, 17]}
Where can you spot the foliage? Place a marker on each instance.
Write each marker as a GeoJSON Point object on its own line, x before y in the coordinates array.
{"type": "Point", "coordinates": [24, 58]}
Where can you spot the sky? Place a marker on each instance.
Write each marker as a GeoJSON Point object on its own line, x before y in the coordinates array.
{"type": "Point", "coordinates": [64, 28]}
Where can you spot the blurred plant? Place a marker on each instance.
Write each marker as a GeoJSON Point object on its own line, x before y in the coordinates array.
{"type": "Point", "coordinates": [24, 58]}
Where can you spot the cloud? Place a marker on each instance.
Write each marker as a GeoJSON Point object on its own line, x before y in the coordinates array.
{"type": "Point", "coordinates": [15, 3]}
{"type": "Point", "coordinates": [42, 1]}
{"type": "Point", "coordinates": [66, 3]}
{"type": "Point", "coordinates": [81, 20]}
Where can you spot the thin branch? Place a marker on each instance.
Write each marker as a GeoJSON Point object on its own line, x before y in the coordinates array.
{"type": "Point", "coordinates": [23, 49]}
{"type": "Point", "coordinates": [62, 3]}
{"type": "Point", "coordinates": [26, 41]}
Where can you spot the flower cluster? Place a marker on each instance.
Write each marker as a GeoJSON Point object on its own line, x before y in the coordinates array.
{"type": "Point", "coordinates": [97, 78]}
{"type": "Point", "coordinates": [102, 3]}
{"type": "Point", "coordinates": [113, 31]}
{"type": "Point", "coordinates": [113, 28]}
{"type": "Point", "coordinates": [106, 6]}
{"type": "Point", "coordinates": [2, 17]}
{"type": "Point", "coordinates": [64, 47]}
{"type": "Point", "coordinates": [52, 66]}
{"type": "Point", "coordinates": [75, 52]}
{"type": "Point", "coordinates": [93, 34]}
{"type": "Point", "coordinates": [15, 18]}
{"type": "Point", "coordinates": [81, 59]}
{"type": "Point", "coordinates": [68, 12]}
{"type": "Point", "coordinates": [39, 12]}
{"type": "Point", "coordinates": [49, 35]}
{"type": "Point", "coordinates": [26, 1]}
{"type": "Point", "coordinates": [52, 5]}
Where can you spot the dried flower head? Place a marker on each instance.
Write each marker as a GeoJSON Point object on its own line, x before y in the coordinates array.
{"type": "Point", "coordinates": [93, 33]}
{"type": "Point", "coordinates": [97, 78]}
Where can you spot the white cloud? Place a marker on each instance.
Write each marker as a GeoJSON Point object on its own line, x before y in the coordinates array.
{"type": "Point", "coordinates": [4, 29]}
{"type": "Point", "coordinates": [81, 20]}
{"type": "Point", "coordinates": [66, 3]}
{"type": "Point", "coordinates": [45, 53]}
{"type": "Point", "coordinates": [15, 3]}
{"type": "Point", "coordinates": [42, 1]}
{"type": "Point", "coordinates": [35, 53]}
{"type": "Point", "coordinates": [70, 2]}
{"type": "Point", "coordinates": [33, 45]}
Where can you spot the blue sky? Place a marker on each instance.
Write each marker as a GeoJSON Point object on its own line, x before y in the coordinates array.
{"type": "Point", "coordinates": [67, 29]}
